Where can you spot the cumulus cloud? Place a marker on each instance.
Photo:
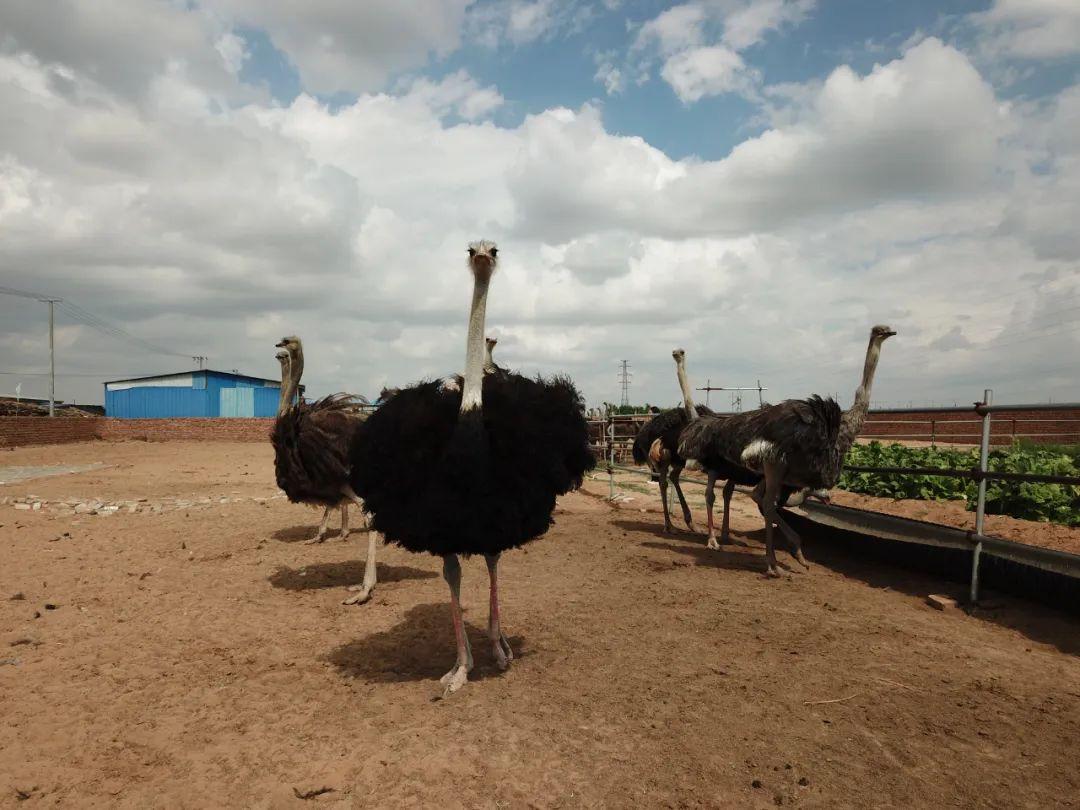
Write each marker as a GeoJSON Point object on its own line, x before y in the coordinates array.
{"type": "Point", "coordinates": [350, 47]}
{"type": "Point", "coordinates": [709, 71]}
{"type": "Point", "coordinates": [699, 43]}
{"type": "Point", "coordinates": [1031, 29]}
{"type": "Point", "coordinates": [519, 22]}
{"type": "Point", "coordinates": [907, 193]}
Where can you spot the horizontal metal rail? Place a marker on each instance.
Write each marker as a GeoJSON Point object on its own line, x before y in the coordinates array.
{"type": "Point", "coordinates": [972, 474]}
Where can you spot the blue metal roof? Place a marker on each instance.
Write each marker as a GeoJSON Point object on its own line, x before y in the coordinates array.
{"type": "Point", "coordinates": [203, 371]}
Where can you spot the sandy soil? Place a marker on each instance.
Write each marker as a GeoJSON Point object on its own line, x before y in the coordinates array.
{"type": "Point", "coordinates": [203, 659]}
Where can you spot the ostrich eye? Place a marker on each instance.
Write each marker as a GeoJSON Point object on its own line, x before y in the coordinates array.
{"type": "Point", "coordinates": [494, 252]}
{"type": "Point", "coordinates": [472, 251]}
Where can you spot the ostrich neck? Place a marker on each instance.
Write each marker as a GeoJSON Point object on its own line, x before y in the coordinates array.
{"type": "Point", "coordinates": [855, 415]}
{"type": "Point", "coordinates": [684, 384]}
{"type": "Point", "coordinates": [286, 386]}
{"type": "Point", "coordinates": [296, 370]}
{"type": "Point", "coordinates": [473, 387]}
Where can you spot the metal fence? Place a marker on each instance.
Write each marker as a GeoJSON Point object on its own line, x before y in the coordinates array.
{"type": "Point", "coordinates": [613, 438]}
{"type": "Point", "coordinates": [1029, 422]}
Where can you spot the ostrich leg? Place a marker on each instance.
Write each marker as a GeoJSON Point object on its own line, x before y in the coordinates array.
{"type": "Point", "coordinates": [710, 501]}
{"type": "Point", "coordinates": [499, 642]}
{"type": "Point", "coordinates": [774, 477]}
{"type": "Point", "coordinates": [774, 481]}
{"type": "Point", "coordinates": [729, 490]}
{"type": "Point", "coordinates": [663, 470]}
{"type": "Point", "coordinates": [321, 534]}
{"type": "Point", "coordinates": [344, 520]}
{"type": "Point", "coordinates": [362, 593]}
{"type": "Point", "coordinates": [459, 675]}
{"type": "Point", "coordinates": [676, 471]}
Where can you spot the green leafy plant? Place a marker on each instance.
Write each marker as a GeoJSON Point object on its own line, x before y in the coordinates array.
{"type": "Point", "coordinates": [1056, 503]}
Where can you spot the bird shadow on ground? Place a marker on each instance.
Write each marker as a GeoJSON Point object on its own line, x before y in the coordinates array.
{"type": "Point", "coordinates": [657, 530]}
{"type": "Point", "coordinates": [731, 560]}
{"type": "Point", "coordinates": [341, 574]}
{"type": "Point", "coordinates": [306, 531]}
{"type": "Point", "coordinates": [420, 648]}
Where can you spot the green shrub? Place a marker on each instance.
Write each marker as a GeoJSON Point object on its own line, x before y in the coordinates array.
{"type": "Point", "coordinates": [1056, 503]}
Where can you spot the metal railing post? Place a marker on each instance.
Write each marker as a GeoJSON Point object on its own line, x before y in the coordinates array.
{"type": "Point", "coordinates": [980, 505]}
{"type": "Point", "coordinates": [611, 457]}
{"type": "Point", "coordinates": [933, 432]}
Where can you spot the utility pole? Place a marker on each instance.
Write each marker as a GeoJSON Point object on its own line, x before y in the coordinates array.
{"type": "Point", "coordinates": [52, 358]}
{"type": "Point", "coordinates": [200, 359]}
{"type": "Point", "coordinates": [624, 380]}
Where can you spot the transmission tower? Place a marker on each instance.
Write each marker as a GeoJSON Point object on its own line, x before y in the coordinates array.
{"type": "Point", "coordinates": [624, 381]}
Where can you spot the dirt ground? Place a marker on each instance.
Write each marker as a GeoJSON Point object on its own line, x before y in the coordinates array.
{"type": "Point", "coordinates": [201, 658]}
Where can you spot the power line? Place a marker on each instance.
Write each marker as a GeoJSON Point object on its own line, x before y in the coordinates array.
{"type": "Point", "coordinates": [82, 316]}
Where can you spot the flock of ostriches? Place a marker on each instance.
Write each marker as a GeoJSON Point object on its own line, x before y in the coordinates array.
{"type": "Point", "coordinates": [473, 463]}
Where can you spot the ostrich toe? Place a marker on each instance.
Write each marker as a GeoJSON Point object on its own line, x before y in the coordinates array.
{"type": "Point", "coordinates": [504, 653]}
{"type": "Point", "coordinates": [454, 680]}
{"type": "Point", "coordinates": [362, 594]}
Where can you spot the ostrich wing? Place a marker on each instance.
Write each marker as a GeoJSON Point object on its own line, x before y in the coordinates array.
{"type": "Point", "coordinates": [311, 447]}
{"type": "Point", "coordinates": [802, 433]}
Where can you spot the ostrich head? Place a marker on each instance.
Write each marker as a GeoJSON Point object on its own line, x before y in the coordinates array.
{"type": "Point", "coordinates": [491, 343]}
{"type": "Point", "coordinates": [678, 354]}
{"type": "Point", "coordinates": [290, 343]}
{"type": "Point", "coordinates": [483, 258]}
{"type": "Point", "coordinates": [881, 333]}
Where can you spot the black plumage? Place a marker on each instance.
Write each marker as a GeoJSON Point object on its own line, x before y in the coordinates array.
{"type": "Point", "coordinates": [440, 481]}
{"type": "Point", "coordinates": [798, 443]}
{"type": "Point", "coordinates": [665, 426]}
{"type": "Point", "coordinates": [801, 433]}
{"type": "Point", "coordinates": [472, 465]}
{"type": "Point", "coordinates": [311, 448]}
{"type": "Point", "coordinates": [667, 465]}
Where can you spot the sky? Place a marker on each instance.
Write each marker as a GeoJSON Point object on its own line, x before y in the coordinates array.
{"type": "Point", "coordinates": [756, 181]}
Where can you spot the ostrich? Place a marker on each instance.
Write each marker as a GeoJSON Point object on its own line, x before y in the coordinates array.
{"type": "Point", "coordinates": [489, 364]}
{"type": "Point", "coordinates": [658, 445]}
{"type": "Point", "coordinates": [311, 449]}
{"type": "Point", "coordinates": [472, 470]}
{"type": "Point", "coordinates": [798, 443]}
{"type": "Point", "coordinates": [694, 441]}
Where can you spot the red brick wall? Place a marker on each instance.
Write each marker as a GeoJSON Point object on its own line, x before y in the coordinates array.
{"type": "Point", "coordinates": [230, 430]}
{"type": "Point", "coordinates": [22, 431]}
{"type": "Point", "coordinates": [1048, 426]}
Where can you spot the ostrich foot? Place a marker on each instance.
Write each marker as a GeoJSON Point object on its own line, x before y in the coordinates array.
{"type": "Point", "coordinates": [773, 572]}
{"type": "Point", "coordinates": [711, 543]}
{"type": "Point", "coordinates": [454, 680]}
{"type": "Point", "coordinates": [669, 529]}
{"type": "Point", "coordinates": [798, 555]}
{"type": "Point", "coordinates": [315, 540]}
{"type": "Point", "coordinates": [504, 654]}
{"type": "Point", "coordinates": [360, 597]}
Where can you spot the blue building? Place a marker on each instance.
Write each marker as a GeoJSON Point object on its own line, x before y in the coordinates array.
{"type": "Point", "coordinates": [192, 393]}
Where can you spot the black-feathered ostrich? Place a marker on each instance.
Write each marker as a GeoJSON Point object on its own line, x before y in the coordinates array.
{"type": "Point", "coordinates": [657, 444]}
{"type": "Point", "coordinates": [311, 453]}
{"type": "Point", "coordinates": [490, 366]}
{"type": "Point", "coordinates": [798, 443]}
{"type": "Point", "coordinates": [694, 442]}
{"type": "Point", "coordinates": [472, 470]}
